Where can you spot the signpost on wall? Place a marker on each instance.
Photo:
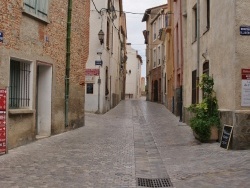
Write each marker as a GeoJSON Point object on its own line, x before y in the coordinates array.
{"type": "Point", "coordinates": [3, 132]}
{"type": "Point", "coordinates": [245, 87]}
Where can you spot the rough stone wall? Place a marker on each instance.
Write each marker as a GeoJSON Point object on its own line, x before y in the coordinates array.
{"type": "Point", "coordinates": [28, 38]}
{"type": "Point", "coordinates": [79, 55]}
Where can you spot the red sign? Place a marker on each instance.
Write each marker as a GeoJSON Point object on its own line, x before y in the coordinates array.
{"type": "Point", "coordinates": [245, 74]}
{"type": "Point", "coordinates": [3, 148]}
{"type": "Point", "coordinates": [2, 99]}
{"type": "Point", "coordinates": [92, 72]}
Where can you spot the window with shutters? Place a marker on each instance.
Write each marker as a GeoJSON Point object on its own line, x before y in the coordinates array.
{"type": "Point", "coordinates": [36, 8]}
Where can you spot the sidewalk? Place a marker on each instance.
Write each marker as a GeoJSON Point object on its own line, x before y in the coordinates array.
{"type": "Point", "coordinates": [137, 139]}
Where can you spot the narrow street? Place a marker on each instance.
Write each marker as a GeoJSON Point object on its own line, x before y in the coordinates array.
{"type": "Point", "coordinates": [136, 139]}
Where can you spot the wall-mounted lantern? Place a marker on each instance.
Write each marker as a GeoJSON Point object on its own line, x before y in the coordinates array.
{"type": "Point", "coordinates": [101, 36]}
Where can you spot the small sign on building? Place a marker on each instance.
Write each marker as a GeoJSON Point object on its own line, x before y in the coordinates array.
{"type": "Point", "coordinates": [244, 30]}
{"type": "Point", "coordinates": [92, 72]}
{"type": "Point", "coordinates": [245, 87]}
{"type": "Point", "coordinates": [1, 36]}
{"type": "Point", "coordinates": [98, 62]}
{"type": "Point", "coordinates": [3, 140]}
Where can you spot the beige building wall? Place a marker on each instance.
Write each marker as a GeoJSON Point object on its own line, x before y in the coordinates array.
{"type": "Point", "coordinates": [227, 53]}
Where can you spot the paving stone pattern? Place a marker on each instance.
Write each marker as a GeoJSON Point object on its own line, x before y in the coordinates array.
{"type": "Point", "coordinates": [136, 139]}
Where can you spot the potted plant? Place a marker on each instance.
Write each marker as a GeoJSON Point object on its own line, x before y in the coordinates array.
{"type": "Point", "coordinates": [206, 115]}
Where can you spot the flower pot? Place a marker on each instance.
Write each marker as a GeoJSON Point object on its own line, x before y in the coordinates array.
{"type": "Point", "coordinates": [214, 134]}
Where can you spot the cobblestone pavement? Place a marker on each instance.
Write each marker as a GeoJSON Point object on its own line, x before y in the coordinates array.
{"type": "Point", "coordinates": [137, 139]}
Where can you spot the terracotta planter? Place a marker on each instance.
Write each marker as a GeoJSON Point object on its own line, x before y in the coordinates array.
{"type": "Point", "coordinates": [214, 134]}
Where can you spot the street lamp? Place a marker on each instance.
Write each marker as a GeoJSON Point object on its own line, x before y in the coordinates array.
{"type": "Point", "coordinates": [101, 36]}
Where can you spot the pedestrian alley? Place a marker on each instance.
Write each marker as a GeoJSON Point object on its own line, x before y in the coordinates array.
{"type": "Point", "coordinates": [136, 144]}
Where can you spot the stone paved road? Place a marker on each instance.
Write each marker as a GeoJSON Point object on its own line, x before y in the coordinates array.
{"type": "Point", "coordinates": [137, 139]}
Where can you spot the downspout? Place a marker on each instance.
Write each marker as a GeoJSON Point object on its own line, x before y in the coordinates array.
{"type": "Point", "coordinates": [68, 63]}
{"type": "Point", "coordinates": [198, 50]}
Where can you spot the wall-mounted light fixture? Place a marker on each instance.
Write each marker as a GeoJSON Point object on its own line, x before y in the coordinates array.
{"type": "Point", "coordinates": [101, 36]}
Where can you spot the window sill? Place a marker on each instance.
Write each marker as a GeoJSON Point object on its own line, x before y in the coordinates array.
{"type": "Point", "coordinates": [20, 111]}
{"type": "Point", "coordinates": [46, 21]}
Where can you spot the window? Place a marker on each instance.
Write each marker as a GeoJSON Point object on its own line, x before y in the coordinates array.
{"type": "Point", "coordinates": [90, 88]}
{"type": "Point", "coordinates": [154, 29]}
{"type": "Point", "coordinates": [195, 23]}
{"type": "Point", "coordinates": [206, 68]}
{"type": "Point", "coordinates": [107, 35]}
{"type": "Point", "coordinates": [154, 57]}
{"type": "Point", "coordinates": [106, 81]}
{"type": "Point", "coordinates": [19, 93]}
{"type": "Point", "coordinates": [159, 22]}
{"type": "Point", "coordinates": [159, 55]}
{"type": "Point", "coordinates": [37, 8]}
{"type": "Point", "coordinates": [194, 87]}
{"type": "Point", "coordinates": [208, 14]}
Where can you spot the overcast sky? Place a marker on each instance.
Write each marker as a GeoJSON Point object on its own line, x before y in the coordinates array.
{"type": "Point", "coordinates": [135, 26]}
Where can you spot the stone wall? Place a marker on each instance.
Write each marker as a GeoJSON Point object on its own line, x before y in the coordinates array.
{"type": "Point", "coordinates": [37, 41]}
{"type": "Point", "coordinates": [240, 120]}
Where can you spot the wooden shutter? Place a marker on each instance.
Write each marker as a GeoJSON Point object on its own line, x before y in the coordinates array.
{"type": "Point", "coordinates": [30, 6]}
{"type": "Point", "coordinates": [42, 8]}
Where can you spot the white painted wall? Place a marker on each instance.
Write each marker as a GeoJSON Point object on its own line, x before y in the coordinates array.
{"type": "Point", "coordinates": [133, 79]}
{"type": "Point", "coordinates": [110, 57]}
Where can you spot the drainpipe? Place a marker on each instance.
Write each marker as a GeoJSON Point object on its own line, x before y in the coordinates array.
{"type": "Point", "coordinates": [198, 49]}
{"type": "Point", "coordinates": [67, 63]}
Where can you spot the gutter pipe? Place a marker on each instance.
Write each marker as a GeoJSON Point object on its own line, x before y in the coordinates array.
{"type": "Point", "coordinates": [68, 40]}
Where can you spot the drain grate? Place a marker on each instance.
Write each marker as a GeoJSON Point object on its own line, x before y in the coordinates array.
{"type": "Point", "coordinates": [162, 182]}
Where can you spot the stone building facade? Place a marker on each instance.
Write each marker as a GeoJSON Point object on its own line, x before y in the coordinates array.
{"type": "Point", "coordinates": [105, 89]}
{"type": "Point", "coordinates": [133, 78]}
{"type": "Point", "coordinates": [33, 66]}
{"type": "Point", "coordinates": [156, 21]}
{"type": "Point", "coordinates": [222, 51]}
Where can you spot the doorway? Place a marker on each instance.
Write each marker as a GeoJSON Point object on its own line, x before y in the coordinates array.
{"type": "Point", "coordinates": [156, 91]}
{"type": "Point", "coordinates": [43, 104]}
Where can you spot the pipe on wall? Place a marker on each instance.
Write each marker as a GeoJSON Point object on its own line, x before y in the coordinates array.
{"type": "Point", "coordinates": [68, 41]}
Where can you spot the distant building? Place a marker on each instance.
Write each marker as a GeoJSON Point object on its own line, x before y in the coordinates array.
{"type": "Point", "coordinates": [143, 85]}
{"type": "Point", "coordinates": [156, 21]}
{"type": "Point", "coordinates": [105, 68]}
{"type": "Point", "coordinates": [133, 78]}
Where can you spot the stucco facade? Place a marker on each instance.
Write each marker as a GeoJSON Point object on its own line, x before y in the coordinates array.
{"type": "Point", "coordinates": [31, 39]}
{"type": "Point", "coordinates": [133, 78]}
{"type": "Point", "coordinates": [223, 53]}
{"type": "Point", "coordinates": [106, 16]}
{"type": "Point", "coordinates": [156, 21]}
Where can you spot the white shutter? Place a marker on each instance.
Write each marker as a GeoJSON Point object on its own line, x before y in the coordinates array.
{"type": "Point", "coordinates": [30, 6]}
{"type": "Point", "coordinates": [42, 8]}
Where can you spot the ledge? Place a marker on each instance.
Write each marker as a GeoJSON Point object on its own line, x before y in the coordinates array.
{"type": "Point", "coordinates": [34, 16]}
{"type": "Point", "coordinates": [20, 111]}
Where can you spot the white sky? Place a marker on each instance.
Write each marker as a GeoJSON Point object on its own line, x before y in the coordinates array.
{"type": "Point", "coordinates": [135, 26]}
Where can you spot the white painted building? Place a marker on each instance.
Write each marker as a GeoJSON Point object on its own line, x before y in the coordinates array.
{"type": "Point", "coordinates": [133, 78]}
{"type": "Point", "coordinates": [103, 82]}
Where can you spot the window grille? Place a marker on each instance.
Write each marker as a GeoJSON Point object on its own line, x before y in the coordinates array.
{"type": "Point", "coordinates": [19, 91]}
